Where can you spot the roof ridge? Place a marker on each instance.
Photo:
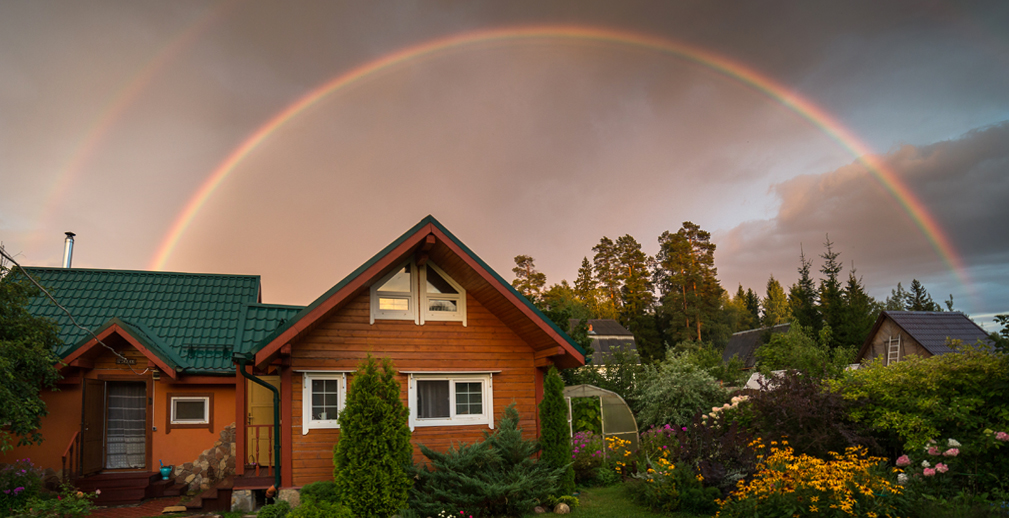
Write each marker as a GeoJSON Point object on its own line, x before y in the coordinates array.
{"type": "Point", "coordinates": [141, 272]}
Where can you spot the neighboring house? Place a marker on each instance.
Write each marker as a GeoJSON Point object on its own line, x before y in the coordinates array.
{"type": "Point", "coordinates": [607, 334]}
{"type": "Point", "coordinates": [897, 334]}
{"type": "Point", "coordinates": [162, 387]}
{"type": "Point", "coordinates": [745, 343]}
{"type": "Point", "coordinates": [465, 343]}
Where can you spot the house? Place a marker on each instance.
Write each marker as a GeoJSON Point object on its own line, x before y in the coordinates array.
{"type": "Point", "coordinates": [465, 343]}
{"type": "Point", "coordinates": [155, 382]}
{"type": "Point", "coordinates": [897, 334]}
{"type": "Point", "coordinates": [745, 343]}
{"type": "Point", "coordinates": [160, 382]}
{"type": "Point", "coordinates": [607, 334]}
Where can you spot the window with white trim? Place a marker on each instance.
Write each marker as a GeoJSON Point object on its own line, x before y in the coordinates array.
{"type": "Point", "coordinates": [398, 295]}
{"type": "Point", "coordinates": [447, 399]}
{"type": "Point", "coordinates": [322, 398]}
{"type": "Point", "coordinates": [190, 410]}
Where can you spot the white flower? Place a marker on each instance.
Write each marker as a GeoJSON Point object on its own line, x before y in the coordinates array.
{"type": "Point", "coordinates": [716, 409]}
{"type": "Point", "coordinates": [953, 443]}
{"type": "Point", "coordinates": [726, 406]}
{"type": "Point", "coordinates": [902, 479]}
{"type": "Point", "coordinates": [925, 464]}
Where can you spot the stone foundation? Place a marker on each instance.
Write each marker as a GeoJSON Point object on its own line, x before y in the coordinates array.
{"type": "Point", "coordinates": [212, 466]}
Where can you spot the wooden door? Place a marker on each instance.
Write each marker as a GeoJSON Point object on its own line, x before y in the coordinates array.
{"type": "Point", "coordinates": [261, 413]}
{"type": "Point", "coordinates": [93, 426]}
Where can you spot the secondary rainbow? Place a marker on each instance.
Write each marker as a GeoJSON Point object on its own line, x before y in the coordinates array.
{"type": "Point", "coordinates": [721, 64]}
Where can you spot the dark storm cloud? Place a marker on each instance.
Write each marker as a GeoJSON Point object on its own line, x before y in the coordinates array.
{"type": "Point", "coordinates": [963, 183]}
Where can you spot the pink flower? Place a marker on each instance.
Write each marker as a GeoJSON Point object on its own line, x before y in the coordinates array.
{"type": "Point", "coordinates": [941, 468]}
{"type": "Point", "coordinates": [933, 451]}
{"type": "Point", "coordinates": [1002, 436]}
{"type": "Point", "coordinates": [952, 452]}
{"type": "Point", "coordinates": [928, 472]}
{"type": "Point", "coordinates": [98, 491]}
{"type": "Point", "coordinates": [903, 460]}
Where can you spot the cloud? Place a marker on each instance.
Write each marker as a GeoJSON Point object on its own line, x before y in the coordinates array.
{"type": "Point", "coordinates": [963, 183]}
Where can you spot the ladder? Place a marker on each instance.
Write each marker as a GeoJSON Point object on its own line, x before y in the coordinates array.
{"type": "Point", "coordinates": [893, 350]}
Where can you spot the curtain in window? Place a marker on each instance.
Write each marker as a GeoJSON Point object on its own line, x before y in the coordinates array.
{"type": "Point", "coordinates": [126, 429]}
{"type": "Point", "coordinates": [432, 399]}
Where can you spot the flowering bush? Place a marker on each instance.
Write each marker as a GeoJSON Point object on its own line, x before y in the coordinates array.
{"type": "Point", "coordinates": [928, 478]}
{"type": "Point", "coordinates": [735, 410]}
{"type": "Point", "coordinates": [665, 488]}
{"type": "Point", "coordinates": [69, 503]}
{"type": "Point", "coordinates": [720, 452]}
{"type": "Point", "coordinates": [658, 440]}
{"type": "Point", "coordinates": [587, 454]}
{"type": "Point", "coordinates": [852, 484]}
{"type": "Point", "coordinates": [19, 482]}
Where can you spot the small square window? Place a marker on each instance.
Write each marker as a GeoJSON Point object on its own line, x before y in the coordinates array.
{"type": "Point", "coordinates": [322, 400]}
{"type": "Point", "coordinates": [189, 410]}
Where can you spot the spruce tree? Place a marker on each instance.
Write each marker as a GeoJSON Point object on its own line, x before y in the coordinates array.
{"type": "Point", "coordinates": [373, 458]}
{"type": "Point", "coordinates": [802, 296]}
{"type": "Point", "coordinates": [775, 305]}
{"type": "Point", "coordinates": [554, 433]}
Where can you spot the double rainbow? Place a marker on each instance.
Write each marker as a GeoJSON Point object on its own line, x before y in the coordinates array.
{"type": "Point", "coordinates": [818, 117]}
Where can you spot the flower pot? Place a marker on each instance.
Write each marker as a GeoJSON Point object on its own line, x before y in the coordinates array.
{"type": "Point", "coordinates": [166, 471]}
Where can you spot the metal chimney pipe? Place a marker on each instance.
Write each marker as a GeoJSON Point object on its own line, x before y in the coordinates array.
{"type": "Point", "coordinates": [68, 249]}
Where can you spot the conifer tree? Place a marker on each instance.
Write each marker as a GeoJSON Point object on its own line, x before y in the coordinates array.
{"type": "Point", "coordinates": [373, 457]}
{"type": "Point", "coordinates": [861, 311]}
{"type": "Point", "coordinates": [802, 296]}
{"type": "Point", "coordinates": [775, 305]}
{"type": "Point", "coordinates": [635, 279]}
{"type": "Point", "coordinates": [686, 277]}
{"type": "Point", "coordinates": [753, 306]}
{"type": "Point", "coordinates": [918, 299]}
{"type": "Point", "coordinates": [831, 300]}
{"type": "Point", "coordinates": [555, 438]}
{"type": "Point", "coordinates": [528, 281]}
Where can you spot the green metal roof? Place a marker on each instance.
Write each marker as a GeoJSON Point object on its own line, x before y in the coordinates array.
{"type": "Point", "coordinates": [193, 322]}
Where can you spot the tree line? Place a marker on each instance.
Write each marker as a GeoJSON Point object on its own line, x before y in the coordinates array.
{"type": "Point", "coordinates": [675, 297]}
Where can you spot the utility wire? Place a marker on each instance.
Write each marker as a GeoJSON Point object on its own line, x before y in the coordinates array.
{"type": "Point", "coordinates": [126, 360]}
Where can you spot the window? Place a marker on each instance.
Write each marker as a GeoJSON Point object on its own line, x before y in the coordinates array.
{"type": "Point", "coordinates": [448, 399]}
{"type": "Point", "coordinates": [190, 411]}
{"type": "Point", "coordinates": [322, 400]}
{"type": "Point", "coordinates": [398, 296]}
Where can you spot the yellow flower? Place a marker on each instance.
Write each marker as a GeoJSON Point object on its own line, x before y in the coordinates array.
{"type": "Point", "coordinates": [813, 509]}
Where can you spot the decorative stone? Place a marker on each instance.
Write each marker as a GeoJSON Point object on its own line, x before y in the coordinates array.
{"type": "Point", "coordinates": [189, 479]}
{"type": "Point", "coordinates": [291, 496]}
{"type": "Point", "coordinates": [174, 509]}
{"type": "Point", "coordinates": [243, 501]}
{"type": "Point", "coordinates": [562, 508]}
{"type": "Point", "coordinates": [539, 509]}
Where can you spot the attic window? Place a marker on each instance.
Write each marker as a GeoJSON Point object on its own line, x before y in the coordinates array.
{"type": "Point", "coordinates": [398, 296]}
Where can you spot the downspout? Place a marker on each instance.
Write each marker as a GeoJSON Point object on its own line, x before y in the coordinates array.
{"type": "Point", "coordinates": [242, 358]}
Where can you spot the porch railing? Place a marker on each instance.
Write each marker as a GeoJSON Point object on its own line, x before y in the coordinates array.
{"type": "Point", "coordinates": [71, 469]}
{"type": "Point", "coordinates": [257, 456]}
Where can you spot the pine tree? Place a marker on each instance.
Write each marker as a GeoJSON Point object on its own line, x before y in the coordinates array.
{"type": "Point", "coordinates": [373, 457]}
{"type": "Point", "coordinates": [554, 432]}
{"type": "Point", "coordinates": [753, 305]}
{"type": "Point", "coordinates": [635, 280]}
{"type": "Point", "coordinates": [775, 305]}
{"type": "Point", "coordinates": [528, 281]}
{"type": "Point", "coordinates": [918, 299]}
{"type": "Point", "coordinates": [586, 285]}
{"type": "Point", "coordinates": [605, 268]}
{"type": "Point", "coordinates": [802, 296]}
{"type": "Point", "coordinates": [896, 300]}
{"type": "Point", "coordinates": [743, 318]}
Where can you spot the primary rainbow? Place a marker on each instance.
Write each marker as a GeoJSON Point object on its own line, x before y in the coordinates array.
{"type": "Point", "coordinates": [721, 64]}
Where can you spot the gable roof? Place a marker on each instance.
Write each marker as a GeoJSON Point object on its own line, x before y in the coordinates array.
{"type": "Point", "coordinates": [465, 267]}
{"type": "Point", "coordinates": [744, 343]}
{"type": "Point", "coordinates": [188, 322]}
{"type": "Point", "coordinates": [931, 329]}
{"type": "Point", "coordinates": [606, 335]}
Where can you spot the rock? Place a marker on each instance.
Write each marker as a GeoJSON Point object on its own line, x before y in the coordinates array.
{"type": "Point", "coordinates": [291, 496]}
{"type": "Point", "coordinates": [539, 509]}
{"type": "Point", "coordinates": [562, 508]}
{"type": "Point", "coordinates": [174, 509]}
{"type": "Point", "coordinates": [243, 501]}
{"type": "Point", "coordinates": [189, 478]}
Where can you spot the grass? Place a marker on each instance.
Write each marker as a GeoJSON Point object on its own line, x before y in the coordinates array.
{"type": "Point", "coordinates": [614, 502]}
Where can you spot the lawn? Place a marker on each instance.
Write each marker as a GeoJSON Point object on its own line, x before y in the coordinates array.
{"type": "Point", "coordinates": [614, 502]}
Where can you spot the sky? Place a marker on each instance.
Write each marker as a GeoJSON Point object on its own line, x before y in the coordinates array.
{"type": "Point", "coordinates": [294, 140]}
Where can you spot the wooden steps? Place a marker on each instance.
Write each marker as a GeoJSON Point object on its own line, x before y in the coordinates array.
{"type": "Point", "coordinates": [119, 488]}
{"type": "Point", "coordinates": [214, 499]}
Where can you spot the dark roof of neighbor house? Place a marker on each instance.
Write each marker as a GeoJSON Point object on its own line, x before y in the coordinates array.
{"type": "Point", "coordinates": [745, 343]}
{"type": "Point", "coordinates": [932, 329]}
{"type": "Point", "coordinates": [606, 334]}
{"type": "Point", "coordinates": [190, 321]}
{"type": "Point", "coordinates": [516, 307]}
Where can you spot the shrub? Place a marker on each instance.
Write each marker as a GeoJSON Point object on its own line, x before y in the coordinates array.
{"type": "Point", "coordinates": [320, 509]}
{"type": "Point", "coordinates": [278, 509]}
{"type": "Point", "coordinates": [586, 414]}
{"type": "Point", "coordinates": [852, 484]}
{"type": "Point", "coordinates": [665, 488]}
{"type": "Point", "coordinates": [799, 349]}
{"type": "Point", "coordinates": [800, 407]}
{"type": "Point", "coordinates": [658, 440]}
{"type": "Point", "coordinates": [19, 483]}
{"type": "Point", "coordinates": [587, 455]}
{"type": "Point", "coordinates": [673, 391]}
{"type": "Point", "coordinates": [69, 503]}
{"type": "Point", "coordinates": [322, 491]}
{"type": "Point", "coordinates": [623, 367]}
{"type": "Point", "coordinates": [372, 459]}
{"type": "Point", "coordinates": [494, 477]}
{"type": "Point", "coordinates": [721, 452]}
{"type": "Point", "coordinates": [709, 359]}
{"type": "Point", "coordinates": [554, 438]}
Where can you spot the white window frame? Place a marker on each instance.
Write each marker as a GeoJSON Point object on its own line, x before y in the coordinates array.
{"type": "Point", "coordinates": [206, 409]}
{"type": "Point", "coordinates": [387, 314]}
{"type": "Point", "coordinates": [307, 423]}
{"type": "Point", "coordinates": [418, 297]}
{"type": "Point", "coordinates": [486, 418]}
{"type": "Point", "coordinates": [425, 297]}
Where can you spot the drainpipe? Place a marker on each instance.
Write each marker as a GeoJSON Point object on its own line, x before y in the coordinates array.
{"type": "Point", "coordinates": [242, 358]}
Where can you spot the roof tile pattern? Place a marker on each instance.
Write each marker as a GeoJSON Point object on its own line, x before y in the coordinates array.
{"type": "Point", "coordinates": [932, 328]}
{"type": "Point", "coordinates": [197, 319]}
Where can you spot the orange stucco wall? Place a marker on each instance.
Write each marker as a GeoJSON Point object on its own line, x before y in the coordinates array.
{"type": "Point", "coordinates": [57, 428]}
{"type": "Point", "coordinates": [177, 446]}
